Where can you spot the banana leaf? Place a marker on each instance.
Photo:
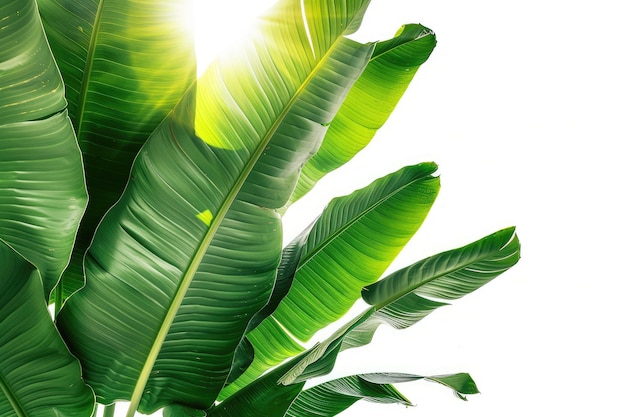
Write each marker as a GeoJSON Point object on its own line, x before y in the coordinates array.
{"type": "Point", "coordinates": [464, 270]}
{"type": "Point", "coordinates": [125, 65]}
{"type": "Point", "coordinates": [332, 397]}
{"type": "Point", "coordinates": [348, 247]}
{"type": "Point", "coordinates": [38, 376]}
{"type": "Point", "coordinates": [269, 397]}
{"type": "Point", "coordinates": [370, 102]}
{"type": "Point", "coordinates": [452, 274]}
{"type": "Point", "coordinates": [191, 249]}
{"type": "Point", "coordinates": [42, 186]}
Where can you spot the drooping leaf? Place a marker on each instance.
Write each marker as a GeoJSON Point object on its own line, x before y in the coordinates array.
{"type": "Point", "coordinates": [191, 249]}
{"type": "Point", "coordinates": [42, 187]}
{"type": "Point", "coordinates": [125, 65]}
{"type": "Point", "coordinates": [268, 397]}
{"type": "Point", "coordinates": [369, 103]}
{"type": "Point", "coordinates": [350, 245]}
{"type": "Point", "coordinates": [331, 398]}
{"type": "Point", "coordinates": [38, 376]}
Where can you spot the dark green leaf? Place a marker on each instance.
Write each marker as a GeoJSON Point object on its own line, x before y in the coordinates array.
{"type": "Point", "coordinates": [38, 376]}
{"type": "Point", "coordinates": [42, 187]}
{"type": "Point", "coordinates": [125, 65]}
{"type": "Point", "coordinates": [244, 355]}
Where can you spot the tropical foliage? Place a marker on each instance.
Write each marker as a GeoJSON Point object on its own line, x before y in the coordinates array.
{"type": "Point", "coordinates": [146, 205]}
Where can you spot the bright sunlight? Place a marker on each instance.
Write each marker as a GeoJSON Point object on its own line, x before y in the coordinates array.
{"type": "Point", "coordinates": [219, 24]}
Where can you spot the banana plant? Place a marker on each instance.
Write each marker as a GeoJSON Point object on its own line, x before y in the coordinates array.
{"type": "Point", "coordinates": [171, 285]}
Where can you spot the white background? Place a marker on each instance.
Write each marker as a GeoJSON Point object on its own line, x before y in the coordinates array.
{"type": "Point", "coordinates": [522, 105]}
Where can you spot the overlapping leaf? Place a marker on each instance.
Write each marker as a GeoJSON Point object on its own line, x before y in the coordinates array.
{"type": "Point", "coordinates": [125, 65]}
{"type": "Point", "coordinates": [268, 397]}
{"type": "Point", "coordinates": [370, 102]}
{"type": "Point", "coordinates": [454, 273]}
{"type": "Point", "coordinates": [349, 246]}
{"type": "Point", "coordinates": [42, 187]}
{"type": "Point", "coordinates": [179, 266]}
{"type": "Point", "coordinates": [38, 376]}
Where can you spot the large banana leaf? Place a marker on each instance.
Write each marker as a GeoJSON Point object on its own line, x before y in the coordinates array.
{"type": "Point", "coordinates": [370, 102]}
{"type": "Point", "coordinates": [348, 247]}
{"type": "Point", "coordinates": [38, 376]}
{"type": "Point", "coordinates": [180, 265]}
{"type": "Point", "coordinates": [125, 63]}
{"type": "Point", "coordinates": [42, 187]}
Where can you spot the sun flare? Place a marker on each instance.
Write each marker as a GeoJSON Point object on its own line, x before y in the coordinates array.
{"type": "Point", "coordinates": [219, 25]}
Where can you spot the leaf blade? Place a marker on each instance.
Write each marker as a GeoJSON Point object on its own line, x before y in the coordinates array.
{"type": "Point", "coordinates": [37, 373]}
{"type": "Point", "coordinates": [114, 57]}
{"type": "Point", "coordinates": [452, 274]}
{"type": "Point", "coordinates": [194, 216]}
{"type": "Point", "coordinates": [351, 244]}
{"type": "Point", "coordinates": [370, 102]}
{"type": "Point", "coordinates": [40, 163]}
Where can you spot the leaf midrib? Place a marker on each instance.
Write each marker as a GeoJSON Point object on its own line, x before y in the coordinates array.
{"type": "Point", "coordinates": [212, 230]}
{"type": "Point", "coordinates": [309, 256]}
{"type": "Point", "coordinates": [84, 86]}
{"type": "Point", "coordinates": [11, 397]}
{"type": "Point", "coordinates": [399, 294]}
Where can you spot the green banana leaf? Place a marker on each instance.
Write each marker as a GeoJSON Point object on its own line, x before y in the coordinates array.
{"type": "Point", "coordinates": [125, 65]}
{"type": "Point", "coordinates": [268, 397]}
{"type": "Point", "coordinates": [331, 398]}
{"type": "Point", "coordinates": [370, 102]}
{"type": "Point", "coordinates": [348, 247]}
{"type": "Point", "coordinates": [38, 376]}
{"type": "Point", "coordinates": [450, 275]}
{"type": "Point", "coordinates": [461, 270]}
{"type": "Point", "coordinates": [191, 249]}
{"type": "Point", "coordinates": [42, 186]}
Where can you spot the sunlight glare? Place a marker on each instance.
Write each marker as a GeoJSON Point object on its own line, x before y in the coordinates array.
{"type": "Point", "coordinates": [219, 24]}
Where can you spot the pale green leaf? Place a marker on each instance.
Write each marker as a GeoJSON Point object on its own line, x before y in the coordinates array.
{"type": "Point", "coordinates": [369, 103]}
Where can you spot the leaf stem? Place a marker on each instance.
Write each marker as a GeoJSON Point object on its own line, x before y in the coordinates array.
{"type": "Point", "coordinates": [109, 410]}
